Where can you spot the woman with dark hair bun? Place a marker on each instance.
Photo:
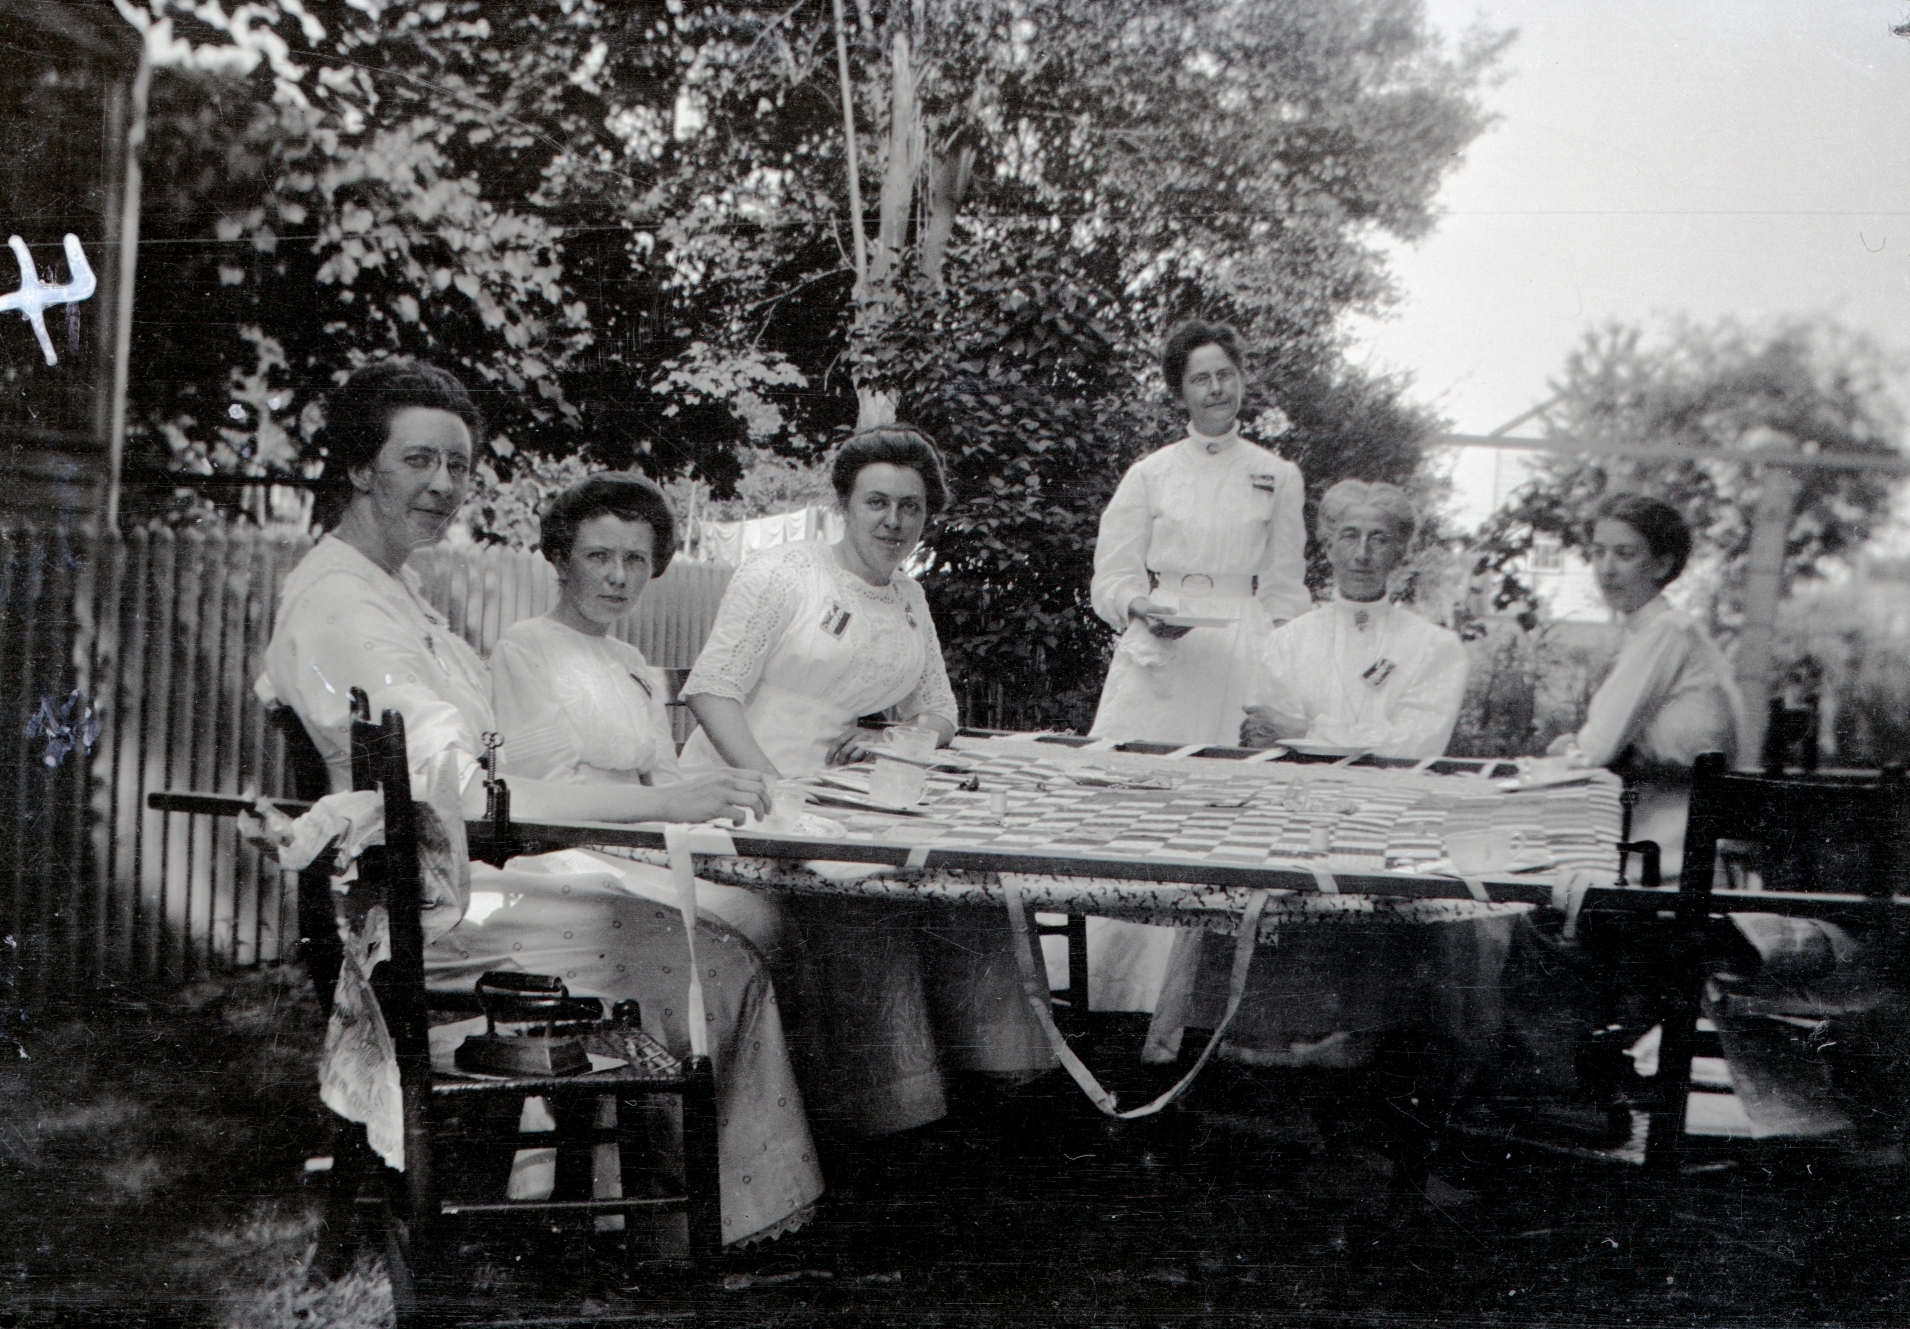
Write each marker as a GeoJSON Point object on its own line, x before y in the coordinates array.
{"type": "Point", "coordinates": [808, 638]}
{"type": "Point", "coordinates": [1669, 695]}
{"type": "Point", "coordinates": [811, 636]}
{"type": "Point", "coordinates": [578, 707]}
{"type": "Point", "coordinates": [1211, 527]}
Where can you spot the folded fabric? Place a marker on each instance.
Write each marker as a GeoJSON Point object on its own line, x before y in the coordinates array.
{"type": "Point", "coordinates": [350, 821]}
{"type": "Point", "coordinates": [1796, 950]}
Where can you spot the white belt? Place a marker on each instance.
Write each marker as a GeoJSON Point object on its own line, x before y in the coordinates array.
{"type": "Point", "coordinates": [1237, 586]}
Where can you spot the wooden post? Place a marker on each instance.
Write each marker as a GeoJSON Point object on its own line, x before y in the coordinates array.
{"type": "Point", "coordinates": [1764, 587]}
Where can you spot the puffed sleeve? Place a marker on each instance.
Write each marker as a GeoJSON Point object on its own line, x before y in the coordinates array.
{"type": "Point", "coordinates": [1283, 593]}
{"type": "Point", "coordinates": [932, 694]}
{"type": "Point", "coordinates": [342, 635]}
{"type": "Point", "coordinates": [1631, 694]}
{"type": "Point", "coordinates": [1420, 723]}
{"type": "Point", "coordinates": [1275, 682]}
{"type": "Point", "coordinates": [757, 609]}
{"type": "Point", "coordinates": [1120, 550]}
{"type": "Point", "coordinates": [536, 733]}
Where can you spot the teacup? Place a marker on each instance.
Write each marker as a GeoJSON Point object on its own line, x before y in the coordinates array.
{"type": "Point", "coordinates": [1478, 850]}
{"type": "Point", "coordinates": [902, 783]}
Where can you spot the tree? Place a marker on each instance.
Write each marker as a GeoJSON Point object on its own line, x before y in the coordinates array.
{"type": "Point", "coordinates": [629, 221]}
{"type": "Point", "coordinates": [1707, 388]}
{"type": "Point", "coordinates": [374, 186]}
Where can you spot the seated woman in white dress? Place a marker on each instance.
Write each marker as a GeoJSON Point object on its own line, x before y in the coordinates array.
{"type": "Point", "coordinates": [1668, 698]}
{"type": "Point", "coordinates": [399, 435]}
{"type": "Point", "coordinates": [1669, 695]}
{"type": "Point", "coordinates": [810, 637]}
{"type": "Point", "coordinates": [1362, 673]}
{"type": "Point", "coordinates": [576, 705]}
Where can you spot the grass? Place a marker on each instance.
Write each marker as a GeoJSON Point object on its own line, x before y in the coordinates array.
{"type": "Point", "coordinates": [152, 1163]}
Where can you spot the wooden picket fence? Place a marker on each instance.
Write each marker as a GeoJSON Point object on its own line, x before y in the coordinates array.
{"type": "Point", "coordinates": [164, 633]}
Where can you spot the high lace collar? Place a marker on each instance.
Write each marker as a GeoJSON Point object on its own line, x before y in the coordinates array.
{"type": "Point", "coordinates": [1377, 612]}
{"type": "Point", "coordinates": [1213, 447]}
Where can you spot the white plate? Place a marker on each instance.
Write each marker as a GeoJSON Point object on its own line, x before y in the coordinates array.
{"type": "Point", "coordinates": [1195, 621]}
{"type": "Point", "coordinates": [1442, 867]}
{"type": "Point", "coordinates": [1544, 780]}
{"type": "Point", "coordinates": [1308, 747]}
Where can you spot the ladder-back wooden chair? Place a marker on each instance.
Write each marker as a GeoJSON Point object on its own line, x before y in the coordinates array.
{"type": "Point", "coordinates": [1826, 845]}
{"type": "Point", "coordinates": [454, 1122]}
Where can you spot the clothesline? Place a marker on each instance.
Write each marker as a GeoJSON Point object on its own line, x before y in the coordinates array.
{"type": "Point", "coordinates": [733, 541]}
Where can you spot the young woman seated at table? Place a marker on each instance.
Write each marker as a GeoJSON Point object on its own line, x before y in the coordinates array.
{"type": "Point", "coordinates": [810, 636]}
{"type": "Point", "coordinates": [1669, 695]}
{"type": "Point", "coordinates": [400, 438]}
{"type": "Point", "coordinates": [1668, 698]}
{"type": "Point", "coordinates": [1361, 673]}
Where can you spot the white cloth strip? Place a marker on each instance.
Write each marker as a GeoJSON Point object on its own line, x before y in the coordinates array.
{"type": "Point", "coordinates": [1034, 986]}
{"type": "Point", "coordinates": [1273, 753]}
{"type": "Point", "coordinates": [1568, 897]}
{"type": "Point", "coordinates": [676, 839]}
{"type": "Point", "coordinates": [917, 859]}
{"type": "Point", "coordinates": [1323, 881]}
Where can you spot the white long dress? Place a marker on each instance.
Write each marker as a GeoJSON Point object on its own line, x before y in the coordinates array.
{"type": "Point", "coordinates": [1668, 698]}
{"type": "Point", "coordinates": [807, 647]}
{"type": "Point", "coordinates": [1221, 511]}
{"type": "Point", "coordinates": [886, 996]}
{"type": "Point", "coordinates": [578, 709]}
{"type": "Point", "coordinates": [1323, 984]}
{"type": "Point", "coordinates": [344, 622]}
{"type": "Point", "coordinates": [1214, 526]}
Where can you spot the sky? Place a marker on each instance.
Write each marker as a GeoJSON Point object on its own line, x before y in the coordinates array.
{"type": "Point", "coordinates": [1656, 158]}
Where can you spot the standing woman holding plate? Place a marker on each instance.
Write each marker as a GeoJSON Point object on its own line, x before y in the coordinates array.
{"type": "Point", "coordinates": [1211, 527]}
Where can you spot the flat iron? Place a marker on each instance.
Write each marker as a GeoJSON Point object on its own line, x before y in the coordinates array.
{"type": "Point", "coordinates": [551, 1047]}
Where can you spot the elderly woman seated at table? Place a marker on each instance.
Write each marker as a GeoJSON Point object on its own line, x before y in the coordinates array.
{"type": "Point", "coordinates": [1364, 674]}
{"type": "Point", "coordinates": [1359, 671]}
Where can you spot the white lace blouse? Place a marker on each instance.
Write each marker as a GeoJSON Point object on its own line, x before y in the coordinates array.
{"type": "Point", "coordinates": [577, 709]}
{"type": "Point", "coordinates": [795, 624]}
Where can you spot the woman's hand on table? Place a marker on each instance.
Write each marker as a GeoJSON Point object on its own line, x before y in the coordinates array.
{"type": "Point", "coordinates": [725, 793]}
{"type": "Point", "coordinates": [850, 748]}
{"type": "Point", "coordinates": [1566, 746]}
{"type": "Point", "coordinates": [1150, 613]}
{"type": "Point", "coordinates": [1265, 726]}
